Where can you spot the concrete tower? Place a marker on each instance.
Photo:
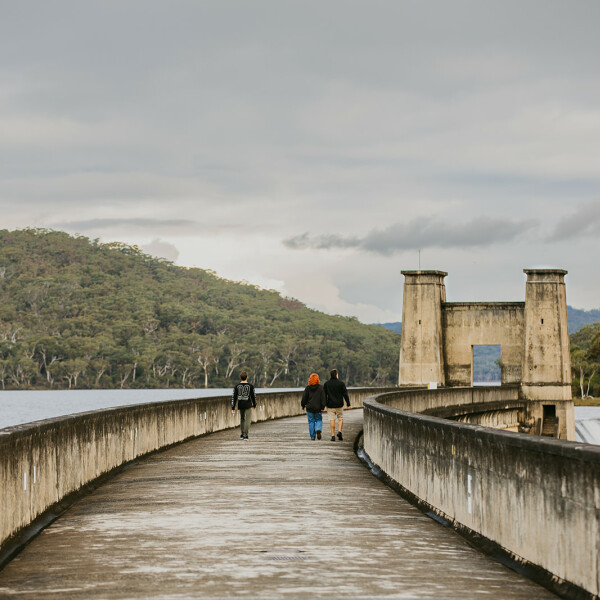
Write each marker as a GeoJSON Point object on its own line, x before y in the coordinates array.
{"type": "Point", "coordinates": [546, 377]}
{"type": "Point", "coordinates": [421, 350]}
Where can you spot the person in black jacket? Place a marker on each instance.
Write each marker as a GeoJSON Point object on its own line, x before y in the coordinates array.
{"type": "Point", "coordinates": [245, 398]}
{"type": "Point", "coordinates": [313, 399]}
{"type": "Point", "coordinates": [335, 394]}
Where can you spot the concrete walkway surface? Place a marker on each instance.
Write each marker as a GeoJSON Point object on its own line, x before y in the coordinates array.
{"type": "Point", "coordinates": [277, 516]}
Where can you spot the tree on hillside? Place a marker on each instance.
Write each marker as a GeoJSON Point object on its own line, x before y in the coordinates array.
{"type": "Point", "coordinates": [583, 369]}
{"type": "Point", "coordinates": [81, 314]}
{"type": "Point", "coordinates": [585, 358]}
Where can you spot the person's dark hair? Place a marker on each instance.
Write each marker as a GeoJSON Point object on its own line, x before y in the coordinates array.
{"type": "Point", "coordinates": [333, 373]}
{"type": "Point", "coordinates": [243, 375]}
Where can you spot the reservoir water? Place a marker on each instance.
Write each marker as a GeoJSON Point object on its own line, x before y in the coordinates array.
{"type": "Point", "coordinates": [24, 406]}
{"type": "Point", "coordinates": [18, 407]}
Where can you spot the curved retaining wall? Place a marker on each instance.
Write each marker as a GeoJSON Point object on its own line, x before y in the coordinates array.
{"type": "Point", "coordinates": [41, 463]}
{"type": "Point", "coordinates": [537, 498]}
{"type": "Point", "coordinates": [421, 400]}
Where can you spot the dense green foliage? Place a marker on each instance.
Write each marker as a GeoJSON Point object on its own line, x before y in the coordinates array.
{"type": "Point", "coordinates": [79, 314]}
{"type": "Point", "coordinates": [585, 361]}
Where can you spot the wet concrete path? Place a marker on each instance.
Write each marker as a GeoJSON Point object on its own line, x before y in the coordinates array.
{"type": "Point", "coordinates": [278, 516]}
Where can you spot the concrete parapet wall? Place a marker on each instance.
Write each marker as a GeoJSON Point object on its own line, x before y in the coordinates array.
{"type": "Point", "coordinates": [536, 498]}
{"type": "Point", "coordinates": [424, 400]}
{"type": "Point", "coordinates": [43, 462]}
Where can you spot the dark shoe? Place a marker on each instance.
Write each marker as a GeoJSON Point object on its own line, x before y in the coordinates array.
{"type": "Point", "coordinates": [340, 436]}
{"type": "Point", "coordinates": [245, 437]}
{"type": "Point", "coordinates": [312, 439]}
{"type": "Point", "coordinates": [242, 436]}
{"type": "Point", "coordinates": [318, 435]}
{"type": "Point", "coordinates": [333, 438]}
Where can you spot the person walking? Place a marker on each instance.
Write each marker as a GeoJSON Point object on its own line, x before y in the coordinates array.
{"type": "Point", "coordinates": [335, 394]}
{"type": "Point", "coordinates": [313, 399]}
{"type": "Point", "coordinates": [245, 399]}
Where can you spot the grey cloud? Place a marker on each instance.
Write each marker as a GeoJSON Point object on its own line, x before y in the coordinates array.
{"type": "Point", "coordinates": [265, 114]}
{"type": "Point", "coordinates": [421, 233]}
{"type": "Point", "coordinates": [158, 247]}
{"type": "Point", "coordinates": [583, 222]}
{"type": "Point", "coordinates": [240, 93]}
{"type": "Point", "coordinates": [305, 240]}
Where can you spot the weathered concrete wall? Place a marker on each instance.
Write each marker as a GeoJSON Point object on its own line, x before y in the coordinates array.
{"type": "Point", "coordinates": [41, 463]}
{"type": "Point", "coordinates": [496, 407]}
{"type": "Point", "coordinates": [438, 339]}
{"type": "Point", "coordinates": [507, 417]}
{"type": "Point", "coordinates": [547, 359]}
{"type": "Point", "coordinates": [537, 498]}
{"type": "Point", "coordinates": [421, 351]}
{"type": "Point", "coordinates": [468, 324]}
{"type": "Point", "coordinates": [451, 402]}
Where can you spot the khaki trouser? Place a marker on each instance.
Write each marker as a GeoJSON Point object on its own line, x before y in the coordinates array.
{"type": "Point", "coordinates": [245, 418]}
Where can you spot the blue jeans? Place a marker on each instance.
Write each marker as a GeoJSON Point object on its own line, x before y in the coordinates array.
{"type": "Point", "coordinates": [315, 423]}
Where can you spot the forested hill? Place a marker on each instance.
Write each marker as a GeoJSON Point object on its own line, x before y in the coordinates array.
{"type": "Point", "coordinates": [80, 314]}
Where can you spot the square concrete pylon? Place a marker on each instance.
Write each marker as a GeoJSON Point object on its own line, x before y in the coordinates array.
{"type": "Point", "coordinates": [421, 351]}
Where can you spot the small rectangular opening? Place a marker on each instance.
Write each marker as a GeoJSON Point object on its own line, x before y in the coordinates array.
{"type": "Point", "coordinates": [486, 365]}
{"type": "Point", "coordinates": [549, 411]}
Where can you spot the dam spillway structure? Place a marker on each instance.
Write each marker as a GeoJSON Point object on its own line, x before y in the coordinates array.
{"type": "Point", "coordinates": [438, 340]}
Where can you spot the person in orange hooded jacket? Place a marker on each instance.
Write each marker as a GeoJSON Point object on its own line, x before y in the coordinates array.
{"type": "Point", "coordinates": [313, 400]}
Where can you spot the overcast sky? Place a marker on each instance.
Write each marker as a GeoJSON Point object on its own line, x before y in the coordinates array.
{"type": "Point", "coordinates": [313, 147]}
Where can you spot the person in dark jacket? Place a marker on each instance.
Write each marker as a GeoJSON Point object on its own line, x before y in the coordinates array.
{"type": "Point", "coordinates": [244, 398]}
{"type": "Point", "coordinates": [313, 400]}
{"type": "Point", "coordinates": [335, 394]}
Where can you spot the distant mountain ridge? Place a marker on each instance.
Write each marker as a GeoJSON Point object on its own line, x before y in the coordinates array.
{"type": "Point", "coordinates": [580, 318]}
{"type": "Point", "coordinates": [396, 326]}
{"type": "Point", "coordinates": [577, 319]}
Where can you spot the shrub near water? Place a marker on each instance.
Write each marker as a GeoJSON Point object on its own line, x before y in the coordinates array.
{"type": "Point", "coordinates": [75, 313]}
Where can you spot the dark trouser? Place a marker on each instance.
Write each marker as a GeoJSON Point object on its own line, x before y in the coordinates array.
{"type": "Point", "coordinates": [245, 418]}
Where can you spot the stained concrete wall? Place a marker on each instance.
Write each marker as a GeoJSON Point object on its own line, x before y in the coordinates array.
{"type": "Point", "coordinates": [537, 498]}
{"type": "Point", "coordinates": [547, 360]}
{"type": "Point", "coordinates": [421, 347]}
{"type": "Point", "coordinates": [468, 324]}
{"type": "Point", "coordinates": [451, 402]}
{"type": "Point", "coordinates": [43, 462]}
{"type": "Point", "coordinates": [438, 338]}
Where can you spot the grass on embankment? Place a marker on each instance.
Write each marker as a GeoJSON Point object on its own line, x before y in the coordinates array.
{"type": "Point", "coordinates": [586, 402]}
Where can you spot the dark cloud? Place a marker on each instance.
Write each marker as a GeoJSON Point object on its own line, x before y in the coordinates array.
{"type": "Point", "coordinates": [583, 222]}
{"type": "Point", "coordinates": [305, 240]}
{"type": "Point", "coordinates": [135, 223]}
{"type": "Point", "coordinates": [421, 233]}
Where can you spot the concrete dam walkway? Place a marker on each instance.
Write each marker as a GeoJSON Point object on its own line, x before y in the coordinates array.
{"type": "Point", "coordinates": [278, 516]}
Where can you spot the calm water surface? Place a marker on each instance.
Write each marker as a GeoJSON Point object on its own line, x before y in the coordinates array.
{"type": "Point", "coordinates": [17, 407]}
